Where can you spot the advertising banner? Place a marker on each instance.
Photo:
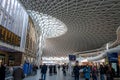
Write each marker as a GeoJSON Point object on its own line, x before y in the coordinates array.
{"type": "Point", "coordinates": [113, 57]}
{"type": "Point", "coordinates": [72, 57]}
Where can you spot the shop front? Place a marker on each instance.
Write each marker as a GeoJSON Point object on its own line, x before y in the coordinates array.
{"type": "Point", "coordinates": [2, 59]}
{"type": "Point", "coordinates": [113, 61]}
{"type": "Point", "coordinates": [119, 63]}
{"type": "Point", "coordinates": [10, 58]}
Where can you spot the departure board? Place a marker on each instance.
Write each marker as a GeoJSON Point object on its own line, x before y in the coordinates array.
{"type": "Point", "coordinates": [9, 37]}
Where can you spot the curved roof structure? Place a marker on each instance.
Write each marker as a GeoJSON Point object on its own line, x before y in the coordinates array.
{"type": "Point", "coordinates": [50, 26]}
{"type": "Point", "coordinates": [90, 23]}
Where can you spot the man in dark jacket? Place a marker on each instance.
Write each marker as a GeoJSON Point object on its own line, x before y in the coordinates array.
{"type": "Point", "coordinates": [43, 72]}
{"type": "Point", "coordinates": [102, 72]}
{"type": "Point", "coordinates": [76, 70]}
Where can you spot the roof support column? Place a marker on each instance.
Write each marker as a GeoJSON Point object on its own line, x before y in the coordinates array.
{"type": "Point", "coordinates": [40, 50]}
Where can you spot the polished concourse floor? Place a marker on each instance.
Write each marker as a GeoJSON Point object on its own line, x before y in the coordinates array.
{"type": "Point", "coordinates": [58, 76]}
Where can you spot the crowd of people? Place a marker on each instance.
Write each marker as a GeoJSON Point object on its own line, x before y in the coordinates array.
{"type": "Point", "coordinates": [17, 72]}
{"type": "Point", "coordinates": [104, 72]}
{"type": "Point", "coordinates": [52, 70]}
{"type": "Point", "coordinates": [29, 69]}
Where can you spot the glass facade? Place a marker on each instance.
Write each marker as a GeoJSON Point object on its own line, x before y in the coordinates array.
{"type": "Point", "coordinates": [14, 17]}
{"type": "Point", "coordinates": [50, 27]}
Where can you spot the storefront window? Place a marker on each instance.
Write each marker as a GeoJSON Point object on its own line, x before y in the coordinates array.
{"type": "Point", "coordinates": [11, 7]}
{"type": "Point", "coordinates": [15, 8]}
{"type": "Point", "coordinates": [9, 21]}
{"type": "Point", "coordinates": [4, 3]}
{"type": "Point", "coordinates": [1, 16]}
{"type": "Point", "coordinates": [2, 21]}
{"type": "Point", "coordinates": [2, 58]}
{"type": "Point", "coordinates": [8, 5]}
{"type": "Point", "coordinates": [5, 20]}
{"type": "Point", "coordinates": [0, 2]}
{"type": "Point", "coordinates": [11, 60]}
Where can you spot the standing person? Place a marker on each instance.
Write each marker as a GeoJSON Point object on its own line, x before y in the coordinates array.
{"type": "Point", "coordinates": [34, 69]}
{"type": "Point", "coordinates": [54, 68]}
{"type": "Point", "coordinates": [76, 70]}
{"type": "Point", "coordinates": [30, 68]}
{"type": "Point", "coordinates": [58, 67]}
{"type": "Point", "coordinates": [40, 66]}
{"type": "Point", "coordinates": [102, 72]}
{"type": "Point", "coordinates": [110, 73]}
{"type": "Point", "coordinates": [2, 72]}
{"type": "Point", "coordinates": [11, 70]}
{"type": "Point", "coordinates": [94, 73]}
{"type": "Point", "coordinates": [43, 72]}
{"type": "Point", "coordinates": [64, 69]}
{"type": "Point", "coordinates": [18, 74]}
{"type": "Point", "coordinates": [50, 69]}
{"type": "Point", "coordinates": [25, 68]}
{"type": "Point", "coordinates": [87, 71]}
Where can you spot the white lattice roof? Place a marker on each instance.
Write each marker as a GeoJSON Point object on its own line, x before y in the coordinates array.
{"type": "Point", "coordinates": [90, 23]}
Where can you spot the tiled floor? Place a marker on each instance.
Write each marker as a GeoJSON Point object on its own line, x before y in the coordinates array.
{"type": "Point", "coordinates": [58, 76]}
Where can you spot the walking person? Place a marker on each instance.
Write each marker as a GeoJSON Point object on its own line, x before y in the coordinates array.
{"type": "Point", "coordinates": [18, 74]}
{"type": "Point", "coordinates": [25, 68]}
{"type": "Point", "coordinates": [58, 67]}
{"type": "Point", "coordinates": [76, 71]}
{"type": "Point", "coordinates": [102, 72]}
{"type": "Point", "coordinates": [50, 69]}
{"type": "Point", "coordinates": [87, 71]}
{"type": "Point", "coordinates": [94, 73]}
{"type": "Point", "coordinates": [43, 72]}
{"type": "Point", "coordinates": [110, 73]}
{"type": "Point", "coordinates": [54, 68]}
{"type": "Point", "coordinates": [34, 69]}
{"type": "Point", "coordinates": [64, 69]}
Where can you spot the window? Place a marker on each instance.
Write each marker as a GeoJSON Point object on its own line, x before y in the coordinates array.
{"type": "Point", "coordinates": [4, 3]}
{"type": "Point", "coordinates": [1, 16]}
{"type": "Point", "coordinates": [8, 5]}
{"type": "Point", "coordinates": [11, 7]}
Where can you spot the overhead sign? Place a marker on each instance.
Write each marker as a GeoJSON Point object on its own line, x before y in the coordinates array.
{"type": "Point", "coordinates": [72, 57]}
{"type": "Point", "coordinates": [113, 57]}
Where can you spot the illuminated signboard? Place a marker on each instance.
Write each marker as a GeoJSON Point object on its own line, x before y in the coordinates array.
{"type": "Point", "coordinates": [9, 37]}
{"type": "Point", "coordinates": [72, 57]}
{"type": "Point", "coordinates": [113, 57]}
